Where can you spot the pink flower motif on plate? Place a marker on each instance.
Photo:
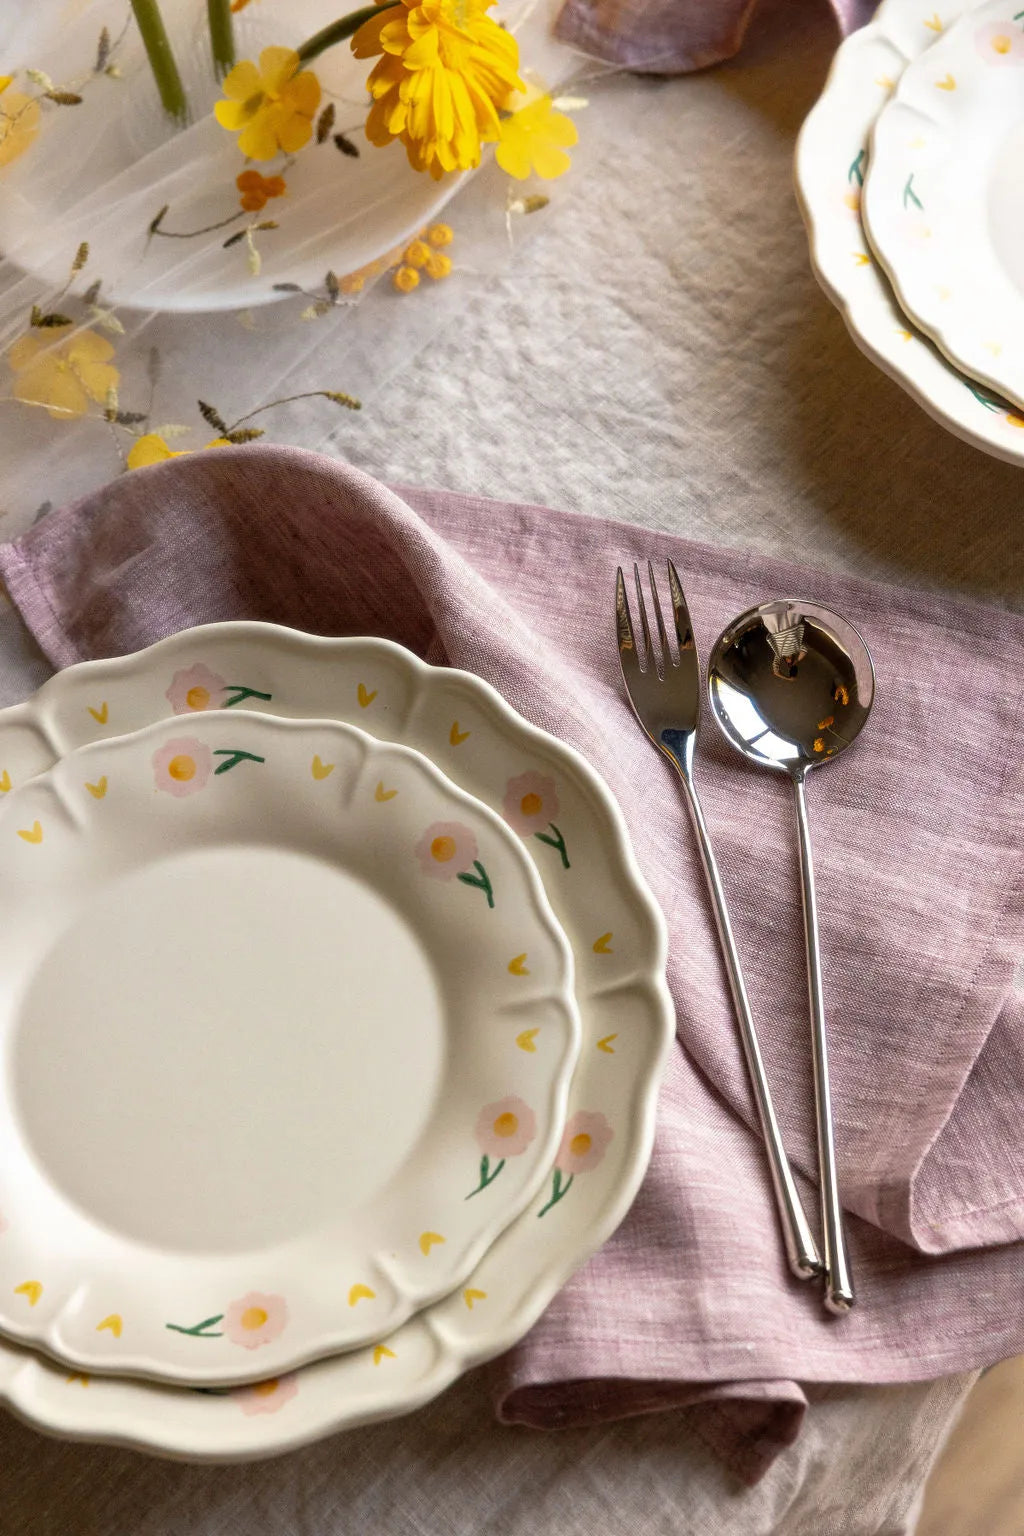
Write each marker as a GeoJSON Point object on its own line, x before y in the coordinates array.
{"type": "Point", "coordinates": [1000, 42]}
{"type": "Point", "coordinates": [505, 1128]}
{"type": "Point", "coordinates": [446, 850]}
{"type": "Point", "coordinates": [255, 1319]}
{"type": "Point", "coordinates": [181, 767]}
{"type": "Point", "coordinates": [195, 688]}
{"type": "Point", "coordinates": [584, 1142]}
{"type": "Point", "coordinates": [267, 1396]}
{"type": "Point", "coordinates": [530, 803]}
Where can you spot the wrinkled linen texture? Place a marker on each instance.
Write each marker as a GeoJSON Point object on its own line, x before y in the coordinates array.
{"type": "Point", "coordinates": [918, 835]}
{"type": "Point", "coordinates": [674, 36]}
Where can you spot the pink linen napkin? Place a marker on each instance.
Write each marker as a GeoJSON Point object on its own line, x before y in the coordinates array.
{"type": "Point", "coordinates": [918, 831]}
{"type": "Point", "coordinates": [669, 37]}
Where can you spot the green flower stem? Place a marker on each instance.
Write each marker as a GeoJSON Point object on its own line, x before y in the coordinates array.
{"type": "Point", "coordinates": [557, 841]}
{"type": "Point", "coordinates": [232, 757]}
{"type": "Point", "coordinates": [199, 1330]}
{"type": "Point", "coordinates": [558, 1191]}
{"type": "Point", "coordinates": [222, 36]}
{"type": "Point", "coordinates": [487, 1174]}
{"type": "Point", "coordinates": [480, 879]}
{"type": "Point", "coordinates": [161, 59]}
{"type": "Point", "coordinates": [241, 693]}
{"type": "Point", "coordinates": [339, 30]}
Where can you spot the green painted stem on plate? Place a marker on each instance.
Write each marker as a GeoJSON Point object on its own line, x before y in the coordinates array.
{"type": "Point", "coordinates": [242, 693]}
{"type": "Point", "coordinates": [856, 171]}
{"type": "Point", "coordinates": [487, 1175]}
{"type": "Point", "coordinates": [338, 31]}
{"type": "Point", "coordinates": [199, 1330]}
{"type": "Point", "coordinates": [558, 841]}
{"type": "Point", "coordinates": [479, 880]}
{"type": "Point", "coordinates": [558, 1191]}
{"type": "Point", "coordinates": [161, 59]}
{"type": "Point", "coordinates": [222, 36]}
{"type": "Point", "coordinates": [232, 757]}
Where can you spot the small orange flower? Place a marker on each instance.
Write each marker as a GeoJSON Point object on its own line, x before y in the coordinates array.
{"type": "Point", "coordinates": [257, 190]}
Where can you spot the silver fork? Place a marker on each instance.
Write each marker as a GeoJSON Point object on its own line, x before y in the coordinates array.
{"type": "Point", "coordinates": [664, 688]}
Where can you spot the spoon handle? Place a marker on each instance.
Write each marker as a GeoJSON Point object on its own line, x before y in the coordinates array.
{"type": "Point", "coordinates": [839, 1296]}
{"type": "Point", "coordinates": [801, 1252]}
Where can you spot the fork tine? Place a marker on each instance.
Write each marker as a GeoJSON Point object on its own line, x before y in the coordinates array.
{"type": "Point", "coordinates": [680, 612]}
{"type": "Point", "coordinates": [644, 626]}
{"type": "Point", "coordinates": [628, 658]}
{"type": "Point", "coordinates": [667, 658]}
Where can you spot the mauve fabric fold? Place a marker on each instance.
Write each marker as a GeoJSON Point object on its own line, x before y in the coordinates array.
{"type": "Point", "coordinates": [669, 37]}
{"type": "Point", "coordinates": [918, 834]}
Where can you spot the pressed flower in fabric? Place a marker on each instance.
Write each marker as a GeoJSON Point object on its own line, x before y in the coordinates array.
{"type": "Point", "coordinates": [534, 140]}
{"type": "Point", "coordinates": [256, 190]}
{"type": "Point", "coordinates": [62, 369]}
{"type": "Point", "coordinates": [271, 105]}
{"type": "Point", "coordinates": [255, 1319]}
{"type": "Point", "coordinates": [183, 766]}
{"type": "Point", "coordinates": [267, 1396]}
{"type": "Point", "coordinates": [504, 1129]}
{"type": "Point", "coordinates": [153, 449]}
{"type": "Point", "coordinates": [445, 68]}
{"type": "Point", "coordinates": [584, 1142]}
{"type": "Point", "coordinates": [19, 121]}
{"type": "Point", "coordinates": [447, 851]}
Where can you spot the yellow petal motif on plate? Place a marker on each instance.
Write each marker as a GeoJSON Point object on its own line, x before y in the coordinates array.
{"type": "Point", "coordinates": [905, 335]}
{"type": "Point", "coordinates": [114, 1323]}
{"type": "Point", "coordinates": [381, 1352]}
{"type": "Point", "coordinates": [382, 794]}
{"type": "Point", "coordinates": [935, 24]}
{"type": "Point", "coordinates": [366, 698]}
{"type": "Point", "coordinates": [526, 1039]}
{"type": "Point", "coordinates": [886, 83]}
{"type": "Point", "coordinates": [946, 84]}
{"type": "Point", "coordinates": [862, 258]}
{"type": "Point", "coordinates": [360, 1293]}
{"type": "Point", "coordinates": [603, 945]}
{"type": "Point", "coordinates": [80, 1378]}
{"type": "Point", "coordinates": [427, 1241]}
{"type": "Point", "coordinates": [995, 347]}
{"type": "Point", "coordinates": [455, 736]}
{"type": "Point", "coordinates": [33, 1289]}
{"type": "Point", "coordinates": [517, 966]}
{"type": "Point", "coordinates": [99, 789]}
{"type": "Point", "coordinates": [320, 769]}
{"type": "Point", "coordinates": [5, 782]}
{"type": "Point", "coordinates": [606, 1044]}
{"type": "Point", "coordinates": [100, 715]}
{"type": "Point", "coordinates": [469, 1295]}
{"type": "Point", "coordinates": [33, 834]}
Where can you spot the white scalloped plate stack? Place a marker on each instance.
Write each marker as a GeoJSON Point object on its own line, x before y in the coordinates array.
{"type": "Point", "coordinates": [289, 1113]}
{"type": "Point", "coordinates": [903, 170]}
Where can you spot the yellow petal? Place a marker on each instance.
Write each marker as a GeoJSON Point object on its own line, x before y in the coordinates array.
{"type": "Point", "coordinates": [150, 449]}
{"type": "Point", "coordinates": [513, 156]}
{"type": "Point", "coordinates": [303, 93]}
{"type": "Point", "coordinates": [25, 350]}
{"type": "Point", "coordinates": [293, 131]}
{"type": "Point", "coordinates": [549, 162]}
{"type": "Point", "coordinates": [97, 379]}
{"type": "Point", "coordinates": [241, 83]}
{"type": "Point", "coordinates": [89, 347]}
{"type": "Point", "coordinates": [257, 139]}
{"type": "Point", "coordinates": [232, 115]}
{"type": "Point", "coordinates": [5, 81]}
{"type": "Point", "coordinates": [366, 42]}
{"type": "Point", "coordinates": [277, 66]}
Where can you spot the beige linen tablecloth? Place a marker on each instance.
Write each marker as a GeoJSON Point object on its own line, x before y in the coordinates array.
{"type": "Point", "coordinates": [659, 353]}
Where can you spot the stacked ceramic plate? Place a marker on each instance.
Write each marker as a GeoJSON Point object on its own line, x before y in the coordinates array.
{"type": "Point", "coordinates": [333, 1014]}
{"type": "Point", "coordinates": [908, 173]}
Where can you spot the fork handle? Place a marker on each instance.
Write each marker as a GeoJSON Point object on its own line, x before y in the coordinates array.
{"type": "Point", "coordinates": [801, 1250]}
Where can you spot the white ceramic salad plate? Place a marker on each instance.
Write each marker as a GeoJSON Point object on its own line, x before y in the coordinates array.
{"type": "Point", "coordinates": [261, 988]}
{"type": "Point", "coordinates": [944, 198]}
{"type": "Point", "coordinates": [572, 829]}
{"type": "Point", "coordinates": [831, 167]}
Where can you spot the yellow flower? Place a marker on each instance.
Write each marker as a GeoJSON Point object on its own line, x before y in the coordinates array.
{"type": "Point", "coordinates": [256, 190]}
{"type": "Point", "coordinates": [19, 123]}
{"type": "Point", "coordinates": [272, 104]}
{"type": "Point", "coordinates": [535, 138]}
{"type": "Point", "coordinates": [64, 375]}
{"type": "Point", "coordinates": [406, 279]}
{"type": "Point", "coordinates": [153, 449]}
{"type": "Point", "coordinates": [445, 67]}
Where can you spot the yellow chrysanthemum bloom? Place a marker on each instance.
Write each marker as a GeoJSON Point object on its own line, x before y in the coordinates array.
{"type": "Point", "coordinates": [62, 375]}
{"type": "Point", "coordinates": [153, 449]}
{"type": "Point", "coordinates": [445, 69]}
{"type": "Point", "coordinates": [534, 139]}
{"type": "Point", "coordinates": [19, 122]}
{"type": "Point", "coordinates": [271, 106]}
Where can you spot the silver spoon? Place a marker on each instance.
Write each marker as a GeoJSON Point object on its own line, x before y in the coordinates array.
{"type": "Point", "coordinates": [791, 686]}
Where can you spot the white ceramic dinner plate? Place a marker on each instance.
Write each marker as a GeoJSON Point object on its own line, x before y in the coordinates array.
{"type": "Point", "coordinates": [573, 831]}
{"type": "Point", "coordinates": [100, 172]}
{"type": "Point", "coordinates": [831, 166]}
{"type": "Point", "coordinates": [261, 988]}
{"type": "Point", "coordinates": [944, 197]}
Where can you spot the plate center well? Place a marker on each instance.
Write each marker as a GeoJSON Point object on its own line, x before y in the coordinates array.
{"type": "Point", "coordinates": [227, 1049]}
